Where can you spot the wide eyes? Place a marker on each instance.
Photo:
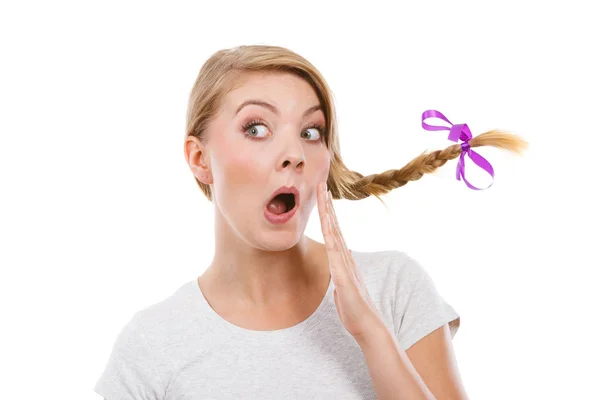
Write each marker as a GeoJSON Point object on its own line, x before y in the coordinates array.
{"type": "Point", "coordinates": [257, 130]}
{"type": "Point", "coordinates": [315, 135]}
{"type": "Point", "coordinates": [253, 131]}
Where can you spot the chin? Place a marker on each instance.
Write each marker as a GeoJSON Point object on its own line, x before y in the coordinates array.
{"type": "Point", "coordinates": [279, 240]}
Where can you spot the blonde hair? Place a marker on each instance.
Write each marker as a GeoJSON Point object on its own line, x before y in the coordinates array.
{"type": "Point", "coordinates": [220, 73]}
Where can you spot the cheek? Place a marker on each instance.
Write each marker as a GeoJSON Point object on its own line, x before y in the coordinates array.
{"type": "Point", "coordinates": [237, 174]}
{"type": "Point", "coordinates": [320, 166]}
{"type": "Point", "coordinates": [317, 171]}
{"type": "Point", "coordinates": [238, 171]}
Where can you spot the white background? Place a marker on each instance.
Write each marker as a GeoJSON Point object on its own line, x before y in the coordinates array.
{"type": "Point", "coordinates": [100, 215]}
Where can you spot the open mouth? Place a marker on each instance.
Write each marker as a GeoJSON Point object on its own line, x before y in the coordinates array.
{"type": "Point", "coordinates": [282, 203]}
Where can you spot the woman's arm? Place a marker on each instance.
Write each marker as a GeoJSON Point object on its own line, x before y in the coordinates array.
{"type": "Point", "coordinates": [426, 371]}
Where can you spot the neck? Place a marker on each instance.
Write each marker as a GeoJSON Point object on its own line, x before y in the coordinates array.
{"type": "Point", "coordinates": [265, 279]}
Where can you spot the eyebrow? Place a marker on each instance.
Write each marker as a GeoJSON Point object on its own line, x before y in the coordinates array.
{"type": "Point", "coordinates": [274, 109]}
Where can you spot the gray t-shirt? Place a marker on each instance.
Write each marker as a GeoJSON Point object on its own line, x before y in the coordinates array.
{"type": "Point", "coordinates": [180, 348]}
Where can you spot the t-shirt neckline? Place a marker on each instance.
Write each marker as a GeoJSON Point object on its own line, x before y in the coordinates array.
{"type": "Point", "coordinates": [219, 323]}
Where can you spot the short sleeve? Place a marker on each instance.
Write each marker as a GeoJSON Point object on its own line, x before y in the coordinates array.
{"type": "Point", "coordinates": [131, 372]}
{"type": "Point", "coordinates": [419, 309]}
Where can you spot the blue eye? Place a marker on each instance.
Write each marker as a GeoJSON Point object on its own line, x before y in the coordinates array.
{"type": "Point", "coordinates": [312, 137]}
{"type": "Point", "coordinates": [252, 131]}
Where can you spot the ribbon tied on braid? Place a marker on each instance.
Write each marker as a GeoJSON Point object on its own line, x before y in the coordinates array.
{"type": "Point", "coordinates": [462, 132]}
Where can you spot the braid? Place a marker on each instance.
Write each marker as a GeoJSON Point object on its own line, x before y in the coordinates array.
{"type": "Point", "coordinates": [354, 186]}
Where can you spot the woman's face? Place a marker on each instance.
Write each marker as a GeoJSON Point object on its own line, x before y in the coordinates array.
{"type": "Point", "coordinates": [255, 149]}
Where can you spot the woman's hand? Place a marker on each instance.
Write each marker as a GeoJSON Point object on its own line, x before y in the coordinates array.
{"type": "Point", "coordinates": [354, 305]}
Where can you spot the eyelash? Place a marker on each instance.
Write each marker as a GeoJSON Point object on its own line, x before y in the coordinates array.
{"type": "Point", "coordinates": [255, 122]}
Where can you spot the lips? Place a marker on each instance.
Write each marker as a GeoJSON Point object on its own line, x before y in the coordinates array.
{"type": "Point", "coordinates": [286, 216]}
{"type": "Point", "coordinates": [285, 189]}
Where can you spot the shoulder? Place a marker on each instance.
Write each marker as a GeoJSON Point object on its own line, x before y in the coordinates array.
{"type": "Point", "coordinates": [400, 280]}
{"type": "Point", "coordinates": [167, 320]}
{"type": "Point", "coordinates": [389, 264]}
{"type": "Point", "coordinates": [390, 275]}
{"type": "Point", "coordinates": [172, 307]}
{"type": "Point", "coordinates": [147, 345]}
{"type": "Point", "coordinates": [146, 322]}
{"type": "Point", "coordinates": [131, 364]}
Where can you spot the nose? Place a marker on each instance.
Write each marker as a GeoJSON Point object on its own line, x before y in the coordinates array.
{"type": "Point", "coordinates": [292, 156]}
{"type": "Point", "coordinates": [296, 161]}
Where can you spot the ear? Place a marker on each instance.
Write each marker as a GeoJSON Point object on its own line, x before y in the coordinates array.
{"type": "Point", "coordinates": [198, 158]}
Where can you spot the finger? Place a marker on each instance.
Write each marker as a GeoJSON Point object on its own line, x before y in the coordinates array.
{"type": "Point", "coordinates": [328, 224]}
{"type": "Point", "coordinates": [322, 207]}
{"type": "Point", "coordinates": [337, 233]}
{"type": "Point", "coordinates": [326, 227]}
{"type": "Point", "coordinates": [336, 226]}
{"type": "Point", "coordinates": [335, 256]}
{"type": "Point", "coordinates": [352, 269]}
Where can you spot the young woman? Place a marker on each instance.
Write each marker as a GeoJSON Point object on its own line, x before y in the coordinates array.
{"type": "Point", "coordinates": [277, 315]}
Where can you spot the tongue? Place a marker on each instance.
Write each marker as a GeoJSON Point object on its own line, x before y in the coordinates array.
{"type": "Point", "coordinates": [277, 206]}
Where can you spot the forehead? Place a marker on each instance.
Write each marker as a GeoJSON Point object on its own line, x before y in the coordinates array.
{"type": "Point", "coordinates": [286, 90]}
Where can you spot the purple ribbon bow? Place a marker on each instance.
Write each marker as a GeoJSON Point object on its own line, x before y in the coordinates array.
{"type": "Point", "coordinates": [462, 132]}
